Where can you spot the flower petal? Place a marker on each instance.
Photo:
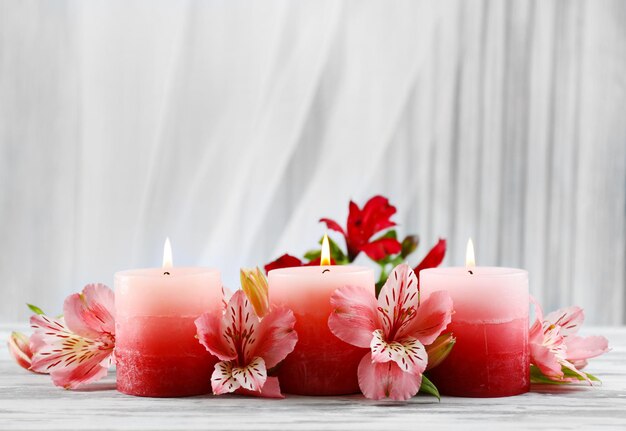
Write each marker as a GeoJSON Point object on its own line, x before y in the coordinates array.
{"type": "Point", "coordinates": [569, 319]}
{"type": "Point", "coordinates": [579, 349]}
{"type": "Point", "coordinates": [386, 380]}
{"type": "Point", "coordinates": [548, 354]}
{"type": "Point", "coordinates": [398, 299]}
{"type": "Point", "coordinates": [354, 317]}
{"type": "Point", "coordinates": [433, 316]}
{"type": "Point", "coordinates": [285, 261]}
{"type": "Point", "coordinates": [433, 258]}
{"type": "Point", "coordinates": [275, 337]}
{"type": "Point", "coordinates": [535, 334]}
{"type": "Point", "coordinates": [381, 248]}
{"type": "Point", "coordinates": [376, 215]}
{"type": "Point", "coordinates": [271, 389]}
{"type": "Point", "coordinates": [69, 358]}
{"type": "Point", "coordinates": [210, 335]}
{"type": "Point", "coordinates": [439, 350]}
{"type": "Point", "coordinates": [252, 376]}
{"type": "Point", "coordinates": [240, 326]}
{"type": "Point", "coordinates": [333, 225]}
{"type": "Point", "coordinates": [408, 353]}
{"type": "Point", "coordinates": [222, 380]}
{"type": "Point", "coordinates": [546, 361]}
{"type": "Point", "coordinates": [254, 284]}
{"type": "Point", "coordinates": [19, 347]}
{"type": "Point", "coordinates": [91, 312]}
{"type": "Point", "coordinates": [72, 378]}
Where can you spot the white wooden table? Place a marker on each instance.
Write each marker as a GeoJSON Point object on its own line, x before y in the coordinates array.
{"type": "Point", "coordinates": [29, 401]}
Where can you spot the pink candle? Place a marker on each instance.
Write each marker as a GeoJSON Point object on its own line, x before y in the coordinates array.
{"type": "Point", "coordinates": [321, 364]}
{"type": "Point", "coordinates": [490, 323]}
{"type": "Point", "coordinates": [157, 352]}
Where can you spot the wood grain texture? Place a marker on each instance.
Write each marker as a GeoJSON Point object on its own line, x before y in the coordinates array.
{"type": "Point", "coordinates": [30, 402]}
{"type": "Point", "coordinates": [232, 127]}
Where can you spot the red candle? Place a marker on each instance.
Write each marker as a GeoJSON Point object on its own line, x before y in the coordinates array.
{"type": "Point", "coordinates": [490, 323]}
{"type": "Point", "coordinates": [321, 364]}
{"type": "Point", "coordinates": [156, 349]}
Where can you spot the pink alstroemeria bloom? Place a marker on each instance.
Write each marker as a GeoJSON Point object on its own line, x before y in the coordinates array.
{"type": "Point", "coordinates": [396, 327]}
{"type": "Point", "coordinates": [554, 344]}
{"type": "Point", "coordinates": [77, 348]}
{"type": "Point", "coordinates": [247, 346]}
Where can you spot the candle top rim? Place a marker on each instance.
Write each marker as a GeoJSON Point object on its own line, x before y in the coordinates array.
{"type": "Point", "coordinates": [297, 271]}
{"type": "Point", "coordinates": [480, 271]}
{"type": "Point", "coordinates": [176, 271]}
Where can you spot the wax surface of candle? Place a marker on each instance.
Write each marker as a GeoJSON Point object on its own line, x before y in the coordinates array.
{"type": "Point", "coordinates": [490, 323]}
{"type": "Point", "coordinates": [156, 349]}
{"type": "Point", "coordinates": [321, 364]}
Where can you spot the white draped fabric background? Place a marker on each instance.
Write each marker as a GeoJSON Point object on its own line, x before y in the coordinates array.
{"type": "Point", "coordinates": [233, 126]}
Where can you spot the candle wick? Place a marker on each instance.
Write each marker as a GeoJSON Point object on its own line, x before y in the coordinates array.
{"type": "Point", "coordinates": [166, 273]}
{"type": "Point", "coordinates": [325, 271]}
{"type": "Point", "coordinates": [470, 271]}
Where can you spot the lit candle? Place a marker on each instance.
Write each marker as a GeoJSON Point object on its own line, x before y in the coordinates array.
{"type": "Point", "coordinates": [321, 364]}
{"type": "Point", "coordinates": [490, 323]}
{"type": "Point", "coordinates": [156, 348]}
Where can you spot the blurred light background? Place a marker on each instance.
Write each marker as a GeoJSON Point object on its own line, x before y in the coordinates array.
{"type": "Point", "coordinates": [233, 126]}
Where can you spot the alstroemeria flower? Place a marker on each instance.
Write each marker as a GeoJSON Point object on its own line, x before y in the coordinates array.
{"type": "Point", "coordinates": [395, 327]}
{"type": "Point", "coordinates": [247, 346]}
{"type": "Point", "coordinates": [374, 217]}
{"type": "Point", "coordinates": [77, 348]}
{"type": "Point", "coordinates": [555, 347]}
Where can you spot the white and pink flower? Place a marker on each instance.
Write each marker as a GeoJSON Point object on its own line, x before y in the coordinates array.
{"type": "Point", "coordinates": [556, 348]}
{"type": "Point", "coordinates": [77, 348]}
{"type": "Point", "coordinates": [396, 327]}
{"type": "Point", "coordinates": [247, 344]}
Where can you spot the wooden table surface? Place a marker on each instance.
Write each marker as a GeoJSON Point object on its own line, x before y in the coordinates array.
{"type": "Point", "coordinates": [29, 401]}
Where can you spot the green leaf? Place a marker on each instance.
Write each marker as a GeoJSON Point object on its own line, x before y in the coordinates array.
{"type": "Point", "coordinates": [569, 373]}
{"type": "Point", "coordinates": [429, 388]}
{"type": "Point", "coordinates": [313, 254]}
{"type": "Point", "coordinates": [593, 378]}
{"type": "Point", "coordinates": [35, 309]}
{"type": "Point", "coordinates": [409, 245]}
{"type": "Point", "coordinates": [536, 376]}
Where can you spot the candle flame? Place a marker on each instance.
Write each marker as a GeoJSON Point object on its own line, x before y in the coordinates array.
{"type": "Point", "coordinates": [168, 262]}
{"type": "Point", "coordinates": [325, 259]}
{"type": "Point", "coordinates": [470, 261]}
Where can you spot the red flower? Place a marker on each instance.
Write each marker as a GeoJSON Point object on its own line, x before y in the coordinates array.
{"type": "Point", "coordinates": [285, 261]}
{"type": "Point", "coordinates": [363, 224]}
{"type": "Point", "coordinates": [433, 258]}
{"type": "Point", "coordinates": [289, 261]}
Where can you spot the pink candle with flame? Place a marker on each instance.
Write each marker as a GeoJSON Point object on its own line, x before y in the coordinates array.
{"type": "Point", "coordinates": [490, 323]}
{"type": "Point", "coordinates": [156, 349]}
{"type": "Point", "coordinates": [321, 364]}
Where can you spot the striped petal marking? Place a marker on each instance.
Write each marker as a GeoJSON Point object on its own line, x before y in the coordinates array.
{"type": "Point", "coordinates": [57, 349]}
{"type": "Point", "coordinates": [398, 301]}
{"type": "Point", "coordinates": [408, 353]}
